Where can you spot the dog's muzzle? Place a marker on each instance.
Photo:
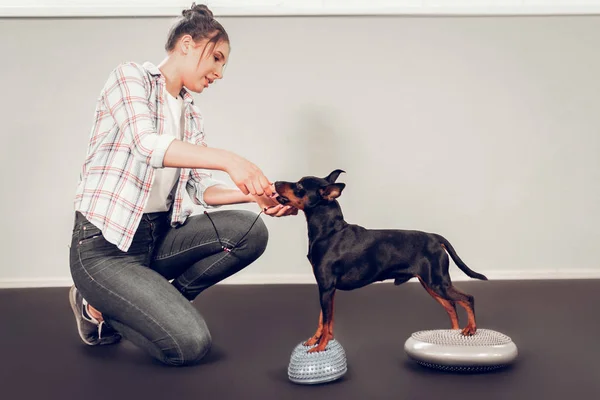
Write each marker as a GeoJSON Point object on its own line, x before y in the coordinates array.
{"type": "Point", "coordinates": [282, 200]}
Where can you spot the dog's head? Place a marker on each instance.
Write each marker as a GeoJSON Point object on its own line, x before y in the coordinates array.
{"type": "Point", "coordinates": [310, 191]}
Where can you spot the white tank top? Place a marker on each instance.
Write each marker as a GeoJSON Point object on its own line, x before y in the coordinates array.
{"type": "Point", "coordinates": [165, 178]}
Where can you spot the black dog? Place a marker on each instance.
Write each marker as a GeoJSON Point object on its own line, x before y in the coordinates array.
{"type": "Point", "coordinates": [346, 256]}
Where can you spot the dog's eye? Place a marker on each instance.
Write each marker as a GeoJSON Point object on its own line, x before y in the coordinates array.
{"type": "Point", "coordinates": [299, 190]}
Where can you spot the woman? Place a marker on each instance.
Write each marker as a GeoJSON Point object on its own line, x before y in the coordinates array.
{"type": "Point", "coordinates": [137, 258]}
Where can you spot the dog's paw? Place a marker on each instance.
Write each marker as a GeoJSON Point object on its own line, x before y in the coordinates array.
{"type": "Point", "coordinates": [469, 330]}
{"type": "Point", "coordinates": [312, 341]}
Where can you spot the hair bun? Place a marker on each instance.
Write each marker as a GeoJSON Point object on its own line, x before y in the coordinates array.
{"type": "Point", "coordinates": [200, 9]}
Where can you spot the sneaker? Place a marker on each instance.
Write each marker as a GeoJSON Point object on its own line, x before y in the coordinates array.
{"type": "Point", "coordinates": [91, 331]}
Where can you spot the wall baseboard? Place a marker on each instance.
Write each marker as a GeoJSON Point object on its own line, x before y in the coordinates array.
{"type": "Point", "coordinates": [308, 278]}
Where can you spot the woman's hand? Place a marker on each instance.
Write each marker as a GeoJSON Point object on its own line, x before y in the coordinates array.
{"type": "Point", "coordinates": [222, 195]}
{"type": "Point", "coordinates": [272, 207]}
{"type": "Point", "coordinates": [248, 177]}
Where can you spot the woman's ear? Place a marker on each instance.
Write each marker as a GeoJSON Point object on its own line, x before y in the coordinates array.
{"type": "Point", "coordinates": [186, 43]}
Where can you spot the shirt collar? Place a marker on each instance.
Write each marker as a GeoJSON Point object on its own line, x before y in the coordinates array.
{"type": "Point", "coordinates": [153, 70]}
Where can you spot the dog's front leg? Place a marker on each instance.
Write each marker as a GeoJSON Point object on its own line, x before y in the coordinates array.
{"type": "Point", "coordinates": [326, 334]}
{"type": "Point", "coordinates": [313, 340]}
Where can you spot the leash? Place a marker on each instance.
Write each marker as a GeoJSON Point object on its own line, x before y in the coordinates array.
{"type": "Point", "coordinates": [229, 249]}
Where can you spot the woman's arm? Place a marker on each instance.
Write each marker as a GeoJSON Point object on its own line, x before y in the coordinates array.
{"type": "Point", "coordinates": [181, 154]}
{"type": "Point", "coordinates": [217, 195]}
{"type": "Point", "coordinates": [247, 176]}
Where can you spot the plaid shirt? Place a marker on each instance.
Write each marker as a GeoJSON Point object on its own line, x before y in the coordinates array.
{"type": "Point", "coordinates": [128, 141]}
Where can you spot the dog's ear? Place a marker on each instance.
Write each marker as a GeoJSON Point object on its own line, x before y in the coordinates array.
{"type": "Point", "coordinates": [332, 177]}
{"type": "Point", "coordinates": [332, 192]}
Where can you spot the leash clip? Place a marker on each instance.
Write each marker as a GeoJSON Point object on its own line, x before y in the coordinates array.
{"type": "Point", "coordinates": [226, 249]}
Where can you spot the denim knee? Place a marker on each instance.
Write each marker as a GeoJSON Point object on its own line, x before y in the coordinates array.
{"type": "Point", "coordinates": [192, 347]}
{"type": "Point", "coordinates": [257, 238]}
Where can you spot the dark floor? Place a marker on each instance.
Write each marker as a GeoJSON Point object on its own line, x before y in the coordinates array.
{"type": "Point", "coordinates": [555, 324]}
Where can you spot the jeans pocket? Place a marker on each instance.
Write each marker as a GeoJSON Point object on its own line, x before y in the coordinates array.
{"type": "Point", "coordinates": [88, 232]}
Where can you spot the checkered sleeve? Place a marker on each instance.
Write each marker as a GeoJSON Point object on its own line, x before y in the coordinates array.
{"type": "Point", "coordinates": [126, 97]}
{"type": "Point", "coordinates": [201, 179]}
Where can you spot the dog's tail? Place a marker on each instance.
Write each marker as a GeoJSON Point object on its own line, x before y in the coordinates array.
{"type": "Point", "coordinates": [446, 244]}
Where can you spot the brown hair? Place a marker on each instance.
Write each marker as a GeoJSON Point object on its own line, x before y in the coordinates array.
{"type": "Point", "coordinates": [199, 23]}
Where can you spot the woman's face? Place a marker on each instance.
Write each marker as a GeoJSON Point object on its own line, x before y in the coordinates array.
{"type": "Point", "coordinates": [200, 70]}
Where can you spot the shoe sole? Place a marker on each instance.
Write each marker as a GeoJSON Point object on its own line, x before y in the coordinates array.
{"type": "Point", "coordinates": [73, 302]}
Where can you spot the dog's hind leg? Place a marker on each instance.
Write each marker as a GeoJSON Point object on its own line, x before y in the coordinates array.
{"type": "Point", "coordinates": [468, 303]}
{"type": "Point", "coordinates": [448, 305]}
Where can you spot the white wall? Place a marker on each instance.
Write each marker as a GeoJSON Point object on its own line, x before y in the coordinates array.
{"type": "Point", "coordinates": [482, 129]}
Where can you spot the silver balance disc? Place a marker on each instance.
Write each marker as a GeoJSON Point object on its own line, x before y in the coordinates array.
{"type": "Point", "coordinates": [319, 367]}
{"type": "Point", "coordinates": [449, 350]}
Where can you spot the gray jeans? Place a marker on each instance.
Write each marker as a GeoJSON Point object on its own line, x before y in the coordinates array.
{"type": "Point", "coordinates": [132, 289]}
